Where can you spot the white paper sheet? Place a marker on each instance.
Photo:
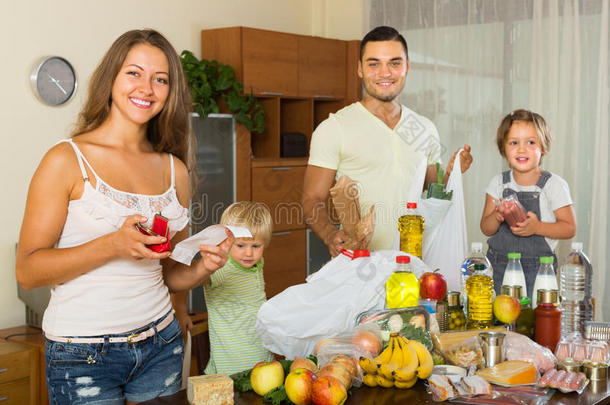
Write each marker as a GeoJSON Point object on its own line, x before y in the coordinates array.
{"type": "Point", "coordinates": [185, 251]}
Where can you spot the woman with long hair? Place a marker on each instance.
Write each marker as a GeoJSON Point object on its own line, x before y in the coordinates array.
{"type": "Point", "coordinates": [110, 332]}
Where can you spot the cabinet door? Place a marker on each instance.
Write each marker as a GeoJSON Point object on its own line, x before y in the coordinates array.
{"type": "Point", "coordinates": [269, 62]}
{"type": "Point", "coordinates": [285, 261]}
{"type": "Point", "coordinates": [322, 67]}
{"type": "Point", "coordinates": [281, 188]}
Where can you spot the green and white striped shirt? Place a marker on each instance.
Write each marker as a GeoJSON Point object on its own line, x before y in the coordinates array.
{"type": "Point", "coordinates": [233, 299]}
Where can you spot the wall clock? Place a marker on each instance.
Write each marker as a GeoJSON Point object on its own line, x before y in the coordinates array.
{"type": "Point", "coordinates": [53, 80]}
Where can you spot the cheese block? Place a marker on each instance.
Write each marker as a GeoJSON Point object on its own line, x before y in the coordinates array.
{"type": "Point", "coordinates": [213, 389]}
{"type": "Point", "coordinates": [511, 372]}
{"type": "Point", "coordinates": [444, 340]}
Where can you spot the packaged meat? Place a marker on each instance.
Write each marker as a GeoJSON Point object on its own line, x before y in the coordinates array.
{"type": "Point", "coordinates": [556, 380]}
{"type": "Point", "coordinates": [544, 380]}
{"type": "Point", "coordinates": [511, 209]}
{"type": "Point", "coordinates": [563, 349]}
{"type": "Point", "coordinates": [598, 352]}
{"type": "Point", "coordinates": [510, 373]}
{"type": "Point", "coordinates": [565, 381]}
{"type": "Point", "coordinates": [520, 347]}
{"type": "Point", "coordinates": [579, 350]}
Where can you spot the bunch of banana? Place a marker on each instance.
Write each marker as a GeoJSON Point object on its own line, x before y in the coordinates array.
{"type": "Point", "coordinates": [399, 365]}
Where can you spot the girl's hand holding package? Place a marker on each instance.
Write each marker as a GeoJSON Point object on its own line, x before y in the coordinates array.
{"type": "Point", "coordinates": [528, 227]}
{"type": "Point", "coordinates": [129, 243]}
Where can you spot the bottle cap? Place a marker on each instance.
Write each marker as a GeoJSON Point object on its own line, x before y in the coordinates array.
{"type": "Point", "coordinates": [525, 301]}
{"type": "Point", "coordinates": [547, 296]}
{"type": "Point", "coordinates": [453, 298]}
{"type": "Point", "coordinates": [511, 290]}
{"type": "Point", "coordinates": [514, 255]}
{"type": "Point", "coordinates": [411, 205]}
{"type": "Point", "coordinates": [361, 253]}
{"type": "Point", "coordinates": [403, 259]}
{"type": "Point", "coordinates": [577, 245]}
{"type": "Point", "coordinates": [479, 266]}
{"type": "Point", "coordinates": [476, 246]}
{"type": "Point", "coordinates": [547, 259]}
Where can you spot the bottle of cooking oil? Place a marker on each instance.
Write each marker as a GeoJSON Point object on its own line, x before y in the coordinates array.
{"type": "Point", "coordinates": [411, 227]}
{"type": "Point", "coordinates": [480, 289]}
{"type": "Point", "coordinates": [402, 287]}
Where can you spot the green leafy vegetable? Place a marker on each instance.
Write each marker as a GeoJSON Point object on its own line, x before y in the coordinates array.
{"type": "Point", "coordinates": [241, 381]}
{"type": "Point", "coordinates": [313, 358]}
{"type": "Point", "coordinates": [414, 333]}
{"type": "Point", "coordinates": [286, 365]}
{"type": "Point", "coordinates": [277, 396]}
{"type": "Point", "coordinates": [437, 190]}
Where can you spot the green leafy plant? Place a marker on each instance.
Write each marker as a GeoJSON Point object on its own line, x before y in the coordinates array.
{"type": "Point", "coordinates": [211, 81]}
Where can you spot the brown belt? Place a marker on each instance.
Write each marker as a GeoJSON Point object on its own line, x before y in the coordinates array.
{"type": "Point", "coordinates": [133, 338]}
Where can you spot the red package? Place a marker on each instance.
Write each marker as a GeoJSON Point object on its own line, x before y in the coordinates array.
{"type": "Point", "coordinates": [159, 228]}
{"type": "Point", "coordinates": [512, 210]}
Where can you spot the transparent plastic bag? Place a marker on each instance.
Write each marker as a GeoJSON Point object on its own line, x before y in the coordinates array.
{"type": "Point", "coordinates": [364, 340]}
{"type": "Point", "coordinates": [519, 347]}
{"type": "Point", "coordinates": [406, 321]}
{"type": "Point", "coordinates": [465, 354]}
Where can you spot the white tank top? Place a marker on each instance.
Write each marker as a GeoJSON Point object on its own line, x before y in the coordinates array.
{"type": "Point", "coordinates": [123, 294]}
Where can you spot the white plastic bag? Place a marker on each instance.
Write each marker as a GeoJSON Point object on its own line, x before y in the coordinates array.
{"type": "Point", "coordinates": [445, 242]}
{"type": "Point", "coordinates": [292, 322]}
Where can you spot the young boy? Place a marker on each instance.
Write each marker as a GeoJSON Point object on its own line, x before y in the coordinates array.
{"type": "Point", "coordinates": [236, 291]}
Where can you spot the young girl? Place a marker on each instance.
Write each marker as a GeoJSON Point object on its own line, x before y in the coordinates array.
{"type": "Point", "coordinates": [235, 292]}
{"type": "Point", "coordinates": [110, 332]}
{"type": "Point", "coordinates": [523, 138]}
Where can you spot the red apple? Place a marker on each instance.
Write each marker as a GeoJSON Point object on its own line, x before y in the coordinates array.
{"type": "Point", "coordinates": [328, 390]}
{"type": "Point", "coordinates": [266, 376]}
{"type": "Point", "coordinates": [298, 385]}
{"type": "Point", "coordinates": [432, 286]}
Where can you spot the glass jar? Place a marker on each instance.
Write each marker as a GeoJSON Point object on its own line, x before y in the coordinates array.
{"type": "Point", "coordinates": [456, 320]}
{"type": "Point", "coordinates": [526, 321]}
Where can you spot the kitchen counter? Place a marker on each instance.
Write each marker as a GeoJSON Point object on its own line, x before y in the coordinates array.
{"type": "Point", "coordinates": [391, 396]}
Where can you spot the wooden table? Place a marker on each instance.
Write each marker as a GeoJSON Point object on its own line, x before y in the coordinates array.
{"type": "Point", "coordinates": [392, 396]}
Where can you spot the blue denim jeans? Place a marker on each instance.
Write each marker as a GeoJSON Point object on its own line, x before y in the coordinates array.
{"type": "Point", "coordinates": [110, 373]}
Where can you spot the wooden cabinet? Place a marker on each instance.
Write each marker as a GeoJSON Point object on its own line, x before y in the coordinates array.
{"type": "Point", "coordinates": [280, 186]}
{"type": "Point", "coordinates": [285, 261]}
{"type": "Point", "coordinates": [265, 61]}
{"type": "Point", "coordinates": [322, 67]}
{"type": "Point", "coordinates": [18, 374]}
{"type": "Point", "coordinates": [299, 80]}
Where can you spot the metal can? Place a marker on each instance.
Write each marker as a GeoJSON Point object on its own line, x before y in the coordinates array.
{"type": "Point", "coordinates": [570, 364]}
{"type": "Point", "coordinates": [596, 371]}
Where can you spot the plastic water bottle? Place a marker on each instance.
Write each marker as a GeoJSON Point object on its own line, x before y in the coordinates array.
{"type": "Point", "coordinates": [577, 256]}
{"type": "Point", "coordinates": [545, 279]}
{"type": "Point", "coordinates": [513, 275]}
{"type": "Point", "coordinates": [572, 292]}
{"type": "Point", "coordinates": [475, 256]}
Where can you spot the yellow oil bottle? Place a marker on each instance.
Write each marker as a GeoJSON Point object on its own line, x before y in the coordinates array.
{"type": "Point", "coordinates": [480, 289]}
{"type": "Point", "coordinates": [402, 287]}
{"type": "Point", "coordinates": [411, 228]}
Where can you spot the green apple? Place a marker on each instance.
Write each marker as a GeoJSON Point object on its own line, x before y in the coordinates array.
{"type": "Point", "coordinates": [266, 376]}
{"type": "Point", "coordinates": [298, 385]}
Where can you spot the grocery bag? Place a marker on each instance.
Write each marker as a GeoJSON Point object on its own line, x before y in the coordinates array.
{"type": "Point", "coordinates": [445, 242]}
{"type": "Point", "coordinates": [292, 322]}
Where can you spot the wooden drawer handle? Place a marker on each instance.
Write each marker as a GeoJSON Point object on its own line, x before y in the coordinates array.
{"type": "Point", "coordinates": [281, 168]}
{"type": "Point", "coordinates": [323, 96]}
{"type": "Point", "coordinates": [271, 93]}
{"type": "Point", "coordinates": [281, 233]}
{"type": "Point", "coordinates": [3, 370]}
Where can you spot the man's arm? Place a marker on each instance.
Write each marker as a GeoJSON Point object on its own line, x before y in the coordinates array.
{"type": "Point", "coordinates": [316, 186]}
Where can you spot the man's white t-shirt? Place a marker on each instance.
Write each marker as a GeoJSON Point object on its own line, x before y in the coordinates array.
{"type": "Point", "coordinates": [356, 143]}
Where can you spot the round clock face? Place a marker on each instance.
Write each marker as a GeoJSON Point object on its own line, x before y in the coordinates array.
{"type": "Point", "coordinates": [54, 81]}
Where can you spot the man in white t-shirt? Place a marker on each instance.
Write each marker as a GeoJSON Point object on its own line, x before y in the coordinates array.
{"type": "Point", "coordinates": [377, 142]}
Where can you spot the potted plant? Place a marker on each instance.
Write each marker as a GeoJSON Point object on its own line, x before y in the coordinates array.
{"type": "Point", "coordinates": [212, 81]}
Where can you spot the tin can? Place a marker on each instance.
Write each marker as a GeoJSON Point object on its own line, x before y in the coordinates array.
{"type": "Point", "coordinates": [570, 364]}
{"type": "Point", "coordinates": [596, 371]}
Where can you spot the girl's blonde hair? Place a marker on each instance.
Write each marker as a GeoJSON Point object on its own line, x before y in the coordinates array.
{"type": "Point", "coordinates": [542, 129]}
{"type": "Point", "coordinates": [252, 215]}
{"type": "Point", "coordinates": [169, 131]}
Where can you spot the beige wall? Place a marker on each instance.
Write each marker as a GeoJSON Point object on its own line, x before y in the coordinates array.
{"type": "Point", "coordinates": [81, 31]}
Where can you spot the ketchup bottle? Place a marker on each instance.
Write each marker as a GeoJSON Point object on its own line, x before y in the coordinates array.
{"type": "Point", "coordinates": [548, 319]}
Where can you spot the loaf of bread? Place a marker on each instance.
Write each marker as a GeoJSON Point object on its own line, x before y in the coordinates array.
{"type": "Point", "coordinates": [214, 389]}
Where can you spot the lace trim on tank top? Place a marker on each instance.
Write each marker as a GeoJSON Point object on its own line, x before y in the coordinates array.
{"type": "Point", "coordinates": [115, 205]}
